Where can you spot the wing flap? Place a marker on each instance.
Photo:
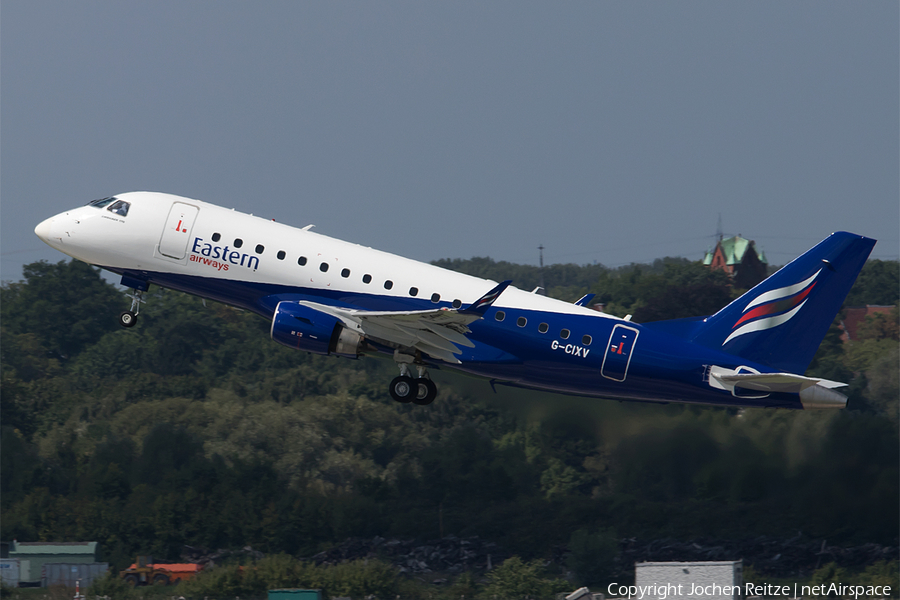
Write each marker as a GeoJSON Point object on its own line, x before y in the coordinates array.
{"type": "Point", "coordinates": [430, 339]}
{"type": "Point", "coordinates": [437, 332]}
{"type": "Point", "coordinates": [437, 353]}
{"type": "Point", "coordinates": [450, 335]}
{"type": "Point", "coordinates": [389, 334]}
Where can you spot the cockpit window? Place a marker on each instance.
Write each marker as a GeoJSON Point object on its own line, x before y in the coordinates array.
{"type": "Point", "coordinates": [102, 202]}
{"type": "Point", "coordinates": [120, 207]}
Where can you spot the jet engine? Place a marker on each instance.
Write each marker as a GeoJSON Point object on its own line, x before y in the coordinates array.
{"type": "Point", "coordinates": [304, 328]}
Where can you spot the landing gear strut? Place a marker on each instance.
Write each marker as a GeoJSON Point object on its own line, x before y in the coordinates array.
{"type": "Point", "coordinates": [129, 317]}
{"type": "Point", "coordinates": [405, 388]}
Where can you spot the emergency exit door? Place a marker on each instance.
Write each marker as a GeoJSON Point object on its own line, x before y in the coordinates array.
{"type": "Point", "coordinates": [177, 232]}
{"type": "Point", "coordinates": [618, 352]}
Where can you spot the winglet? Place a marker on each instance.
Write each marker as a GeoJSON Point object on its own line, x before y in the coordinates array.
{"type": "Point", "coordinates": [480, 306]}
{"type": "Point", "coordinates": [583, 301]}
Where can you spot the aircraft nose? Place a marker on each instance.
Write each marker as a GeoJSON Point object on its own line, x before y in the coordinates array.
{"type": "Point", "coordinates": [43, 230]}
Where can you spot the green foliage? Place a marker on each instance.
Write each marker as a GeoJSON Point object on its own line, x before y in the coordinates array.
{"type": "Point", "coordinates": [194, 428]}
{"type": "Point", "coordinates": [883, 390]}
{"type": "Point", "coordinates": [881, 326]}
{"type": "Point", "coordinates": [569, 279]}
{"type": "Point", "coordinates": [829, 361]}
{"type": "Point", "coordinates": [516, 579]}
{"type": "Point", "coordinates": [828, 574]}
{"type": "Point", "coordinates": [356, 579]}
{"type": "Point", "coordinates": [882, 573]}
{"type": "Point", "coordinates": [361, 578]}
{"type": "Point", "coordinates": [221, 582]}
{"type": "Point", "coordinates": [66, 306]}
{"type": "Point", "coordinates": [112, 586]}
{"type": "Point", "coordinates": [593, 556]}
{"type": "Point", "coordinates": [878, 284]}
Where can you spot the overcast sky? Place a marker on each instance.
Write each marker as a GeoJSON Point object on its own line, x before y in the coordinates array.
{"type": "Point", "coordinates": [610, 132]}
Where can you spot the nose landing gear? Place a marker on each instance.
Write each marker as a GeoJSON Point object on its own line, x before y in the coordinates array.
{"type": "Point", "coordinates": [129, 317]}
{"type": "Point", "coordinates": [419, 390]}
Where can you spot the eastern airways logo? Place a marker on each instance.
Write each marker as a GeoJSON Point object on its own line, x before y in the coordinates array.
{"type": "Point", "coordinates": [207, 254]}
{"type": "Point", "coordinates": [773, 308]}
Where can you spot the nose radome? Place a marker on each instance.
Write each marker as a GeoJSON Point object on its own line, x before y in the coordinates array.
{"type": "Point", "coordinates": [43, 229]}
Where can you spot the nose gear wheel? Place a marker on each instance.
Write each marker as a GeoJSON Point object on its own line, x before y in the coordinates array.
{"type": "Point", "coordinates": [129, 317]}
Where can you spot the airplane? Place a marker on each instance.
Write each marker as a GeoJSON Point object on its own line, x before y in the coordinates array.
{"type": "Point", "coordinates": [330, 297]}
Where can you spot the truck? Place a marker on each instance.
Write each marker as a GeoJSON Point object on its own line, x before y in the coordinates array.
{"type": "Point", "coordinates": [145, 572]}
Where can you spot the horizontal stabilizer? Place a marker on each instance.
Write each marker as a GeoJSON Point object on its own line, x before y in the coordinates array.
{"type": "Point", "coordinates": [813, 392]}
{"type": "Point", "coordinates": [774, 382]}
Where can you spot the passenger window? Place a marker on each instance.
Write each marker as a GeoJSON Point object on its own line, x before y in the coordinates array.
{"type": "Point", "coordinates": [119, 207]}
{"type": "Point", "coordinates": [586, 340]}
{"type": "Point", "coordinates": [367, 278]}
{"type": "Point", "coordinates": [435, 298]}
{"type": "Point", "coordinates": [301, 261]}
{"type": "Point", "coordinates": [500, 315]}
{"type": "Point", "coordinates": [457, 303]}
{"type": "Point", "coordinates": [388, 284]}
{"type": "Point", "coordinates": [543, 327]}
{"type": "Point", "coordinates": [281, 255]}
{"type": "Point", "coordinates": [323, 267]}
{"type": "Point", "coordinates": [521, 321]}
{"type": "Point", "coordinates": [260, 248]}
{"type": "Point", "coordinates": [238, 243]}
{"type": "Point", "coordinates": [413, 291]}
{"type": "Point", "coordinates": [564, 334]}
{"type": "Point", "coordinates": [345, 273]}
{"type": "Point", "coordinates": [217, 237]}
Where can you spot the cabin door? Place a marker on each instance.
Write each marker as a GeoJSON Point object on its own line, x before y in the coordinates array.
{"type": "Point", "coordinates": [618, 352]}
{"type": "Point", "coordinates": [177, 232]}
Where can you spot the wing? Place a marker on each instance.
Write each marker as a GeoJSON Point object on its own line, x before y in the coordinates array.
{"type": "Point", "coordinates": [438, 332]}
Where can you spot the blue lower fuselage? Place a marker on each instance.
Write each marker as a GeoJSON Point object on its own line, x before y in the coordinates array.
{"type": "Point", "coordinates": [605, 358]}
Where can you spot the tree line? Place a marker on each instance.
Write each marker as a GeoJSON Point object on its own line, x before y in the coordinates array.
{"type": "Point", "coordinates": [194, 428]}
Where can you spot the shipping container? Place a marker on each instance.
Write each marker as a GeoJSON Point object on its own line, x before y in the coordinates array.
{"type": "Point", "coordinates": [9, 571]}
{"type": "Point", "coordinates": [34, 555]}
{"type": "Point", "coordinates": [68, 573]}
{"type": "Point", "coordinates": [294, 594]}
{"type": "Point", "coordinates": [711, 580]}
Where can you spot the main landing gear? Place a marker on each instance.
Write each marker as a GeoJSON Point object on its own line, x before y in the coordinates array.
{"type": "Point", "coordinates": [418, 390]}
{"type": "Point", "coordinates": [129, 317]}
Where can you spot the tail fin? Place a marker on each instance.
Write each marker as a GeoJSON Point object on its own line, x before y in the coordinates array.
{"type": "Point", "coordinates": [781, 322]}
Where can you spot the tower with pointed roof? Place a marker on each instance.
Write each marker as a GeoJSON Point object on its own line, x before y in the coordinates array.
{"type": "Point", "coordinates": [738, 257]}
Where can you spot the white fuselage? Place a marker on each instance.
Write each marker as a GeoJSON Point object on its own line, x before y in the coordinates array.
{"type": "Point", "coordinates": [132, 243]}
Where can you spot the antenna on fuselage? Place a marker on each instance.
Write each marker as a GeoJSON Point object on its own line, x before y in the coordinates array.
{"type": "Point", "coordinates": [542, 289]}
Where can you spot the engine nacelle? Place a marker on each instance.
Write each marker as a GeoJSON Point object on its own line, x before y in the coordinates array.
{"type": "Point", "coordinates": [304, 328]}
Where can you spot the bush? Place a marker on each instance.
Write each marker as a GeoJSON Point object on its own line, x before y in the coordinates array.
{"type": "Point", "coordinates": [110, 585]}
{"type": "Point", "coordinates": [518, 580]}
{"type": "Point", "coordinates": [357, 579]}
{"type": "Point", "coordinates": [593, 556]}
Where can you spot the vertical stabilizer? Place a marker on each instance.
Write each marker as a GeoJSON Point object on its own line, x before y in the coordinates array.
{"type": "Point", "coordinates": [781, 322]}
